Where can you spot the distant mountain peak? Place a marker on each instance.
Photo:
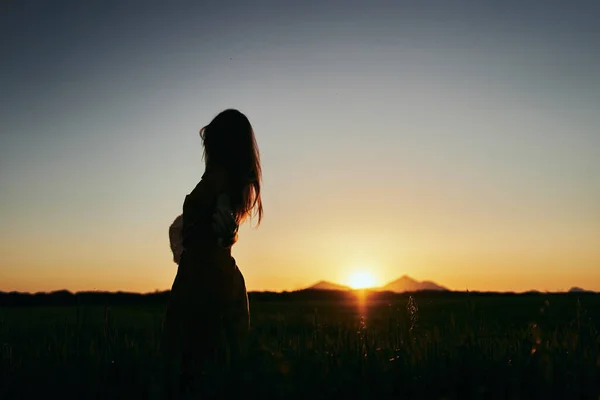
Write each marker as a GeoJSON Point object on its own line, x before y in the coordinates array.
{"type": "Point", "coordinates": [326, 285]}
{"type": "Point", "coordinates": [407, 284]}
{"type": "Point", "coordinates": [576, 289]}
{"type": "Point", "coordinates": [403, 284]}
{"type": "Point", "coordinates": [405, 278]}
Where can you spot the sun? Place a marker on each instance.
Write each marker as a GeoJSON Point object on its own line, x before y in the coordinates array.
{"type": "Point", "coordinates": [361, 280]}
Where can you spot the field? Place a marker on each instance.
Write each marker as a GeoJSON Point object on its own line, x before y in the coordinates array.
{"type": "Point", "coordinates": [424, 346]}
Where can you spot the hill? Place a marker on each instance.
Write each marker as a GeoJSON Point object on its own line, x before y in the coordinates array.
{"type": "Point", "coordinates": [576, 289]}
{"type": "Point", "coordinates": [401, 285]}
{"type": "Point", "coordinates": [325, 285]}
{"type": "Point", "coordinates": [408, 284]}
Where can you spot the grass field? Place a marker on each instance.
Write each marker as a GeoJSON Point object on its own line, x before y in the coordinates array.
{"type": "Point", "coordinates": [439, 347]}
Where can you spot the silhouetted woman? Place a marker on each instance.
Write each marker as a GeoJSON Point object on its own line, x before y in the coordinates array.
{"type": "Point", "coordinates": [208, 306]}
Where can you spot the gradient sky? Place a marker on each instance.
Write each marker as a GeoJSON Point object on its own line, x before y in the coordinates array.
{"type": "Point", "coordinates": [455, 141]}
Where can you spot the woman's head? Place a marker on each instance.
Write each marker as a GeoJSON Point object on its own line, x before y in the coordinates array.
{"type": "Point", "coordinates": [229, 143]}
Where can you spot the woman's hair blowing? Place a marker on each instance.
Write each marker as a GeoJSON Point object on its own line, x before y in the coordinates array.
{"type": "Point", "coordinates": [229, 142]}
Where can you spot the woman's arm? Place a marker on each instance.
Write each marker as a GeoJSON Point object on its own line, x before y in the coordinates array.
{"type": "Point", "coordinates": [176, 238]}
{"type": "Point", "coordinates": [225, 224]}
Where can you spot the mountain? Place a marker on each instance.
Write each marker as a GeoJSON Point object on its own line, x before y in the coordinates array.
{"type": "Point", "coordinates": [404, 284]}
{"type": "Point", "coordinates": [576, 289]}
{"type": "Point", "coordinates": [408, 284]}
{"type": "Point", "coordinates": [324, 285]}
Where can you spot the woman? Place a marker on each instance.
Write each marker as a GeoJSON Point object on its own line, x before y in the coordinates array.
{"type": "Point", "coordinates": [207, 315]}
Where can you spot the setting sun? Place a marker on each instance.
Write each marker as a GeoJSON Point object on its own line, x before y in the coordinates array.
{"type": "Point", "coordinates": [361, 280]}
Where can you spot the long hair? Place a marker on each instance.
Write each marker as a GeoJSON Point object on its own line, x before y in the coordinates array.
{"type": "Point", "coordinates": [229, 142]}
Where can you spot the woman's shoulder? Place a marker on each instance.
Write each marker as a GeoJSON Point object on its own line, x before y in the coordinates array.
{"type": "Point", "coordinates": [215, 175]}
{"type": "Point", "coordinates": [214, 181]}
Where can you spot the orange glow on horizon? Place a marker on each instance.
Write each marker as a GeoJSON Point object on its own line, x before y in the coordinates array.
{"type": "Point", "coordinates": [361, 279]}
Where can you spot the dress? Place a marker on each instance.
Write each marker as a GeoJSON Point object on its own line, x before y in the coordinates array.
{"type": "Point", "coordinates": [207, 315]}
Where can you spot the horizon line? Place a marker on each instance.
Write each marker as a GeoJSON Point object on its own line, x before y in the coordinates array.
{"type": "Point", "coordinates": [573, 289]}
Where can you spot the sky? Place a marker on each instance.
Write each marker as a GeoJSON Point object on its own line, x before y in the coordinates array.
{"type": "Point", "coordinates": [453, 141]}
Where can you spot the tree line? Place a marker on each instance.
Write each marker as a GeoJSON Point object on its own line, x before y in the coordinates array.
{"type": "Point", "coordinates": [67, 298]}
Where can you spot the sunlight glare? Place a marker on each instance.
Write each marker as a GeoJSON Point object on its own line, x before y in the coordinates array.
{"type": "Point", "coordinates": [361, 280]}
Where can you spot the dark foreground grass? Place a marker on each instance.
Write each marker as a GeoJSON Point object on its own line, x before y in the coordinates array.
{"type": "Point", "coordinates": [421, 347]}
